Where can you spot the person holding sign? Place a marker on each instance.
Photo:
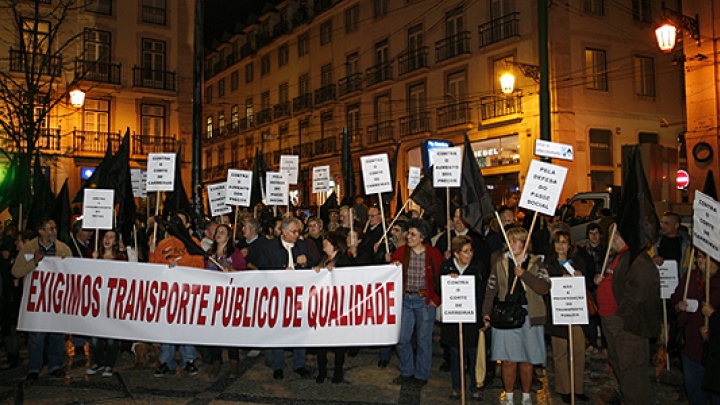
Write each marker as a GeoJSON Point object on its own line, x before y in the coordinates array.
{"type": "Point", "coordinates": [671, 244]}
{"type": "Point", "coordinates": [711, 380]}
{"type": "Point", "coordinates": [564, 261]}
{"type": "Point", "coordinates": [524, 346]}
{"type": "Point", "coordinates": [688, 296]}
{"type": "Point", "coordinates": [420, 267]}
{"type": "Point", "coordinates": [462, 263]}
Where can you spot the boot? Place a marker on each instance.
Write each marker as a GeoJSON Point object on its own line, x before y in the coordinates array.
{"type": "Point", "coordinates": [233, 369]}
{"type": "Point", "coordinates": [140, 350]}
{"type": "Point", "coordinates": [156, 353]}
{"type": "Point", "coordinates": [322, 366]}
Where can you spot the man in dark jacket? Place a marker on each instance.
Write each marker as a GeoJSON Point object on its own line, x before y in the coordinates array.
{"type": "Point", "coordinates": [636, 318]}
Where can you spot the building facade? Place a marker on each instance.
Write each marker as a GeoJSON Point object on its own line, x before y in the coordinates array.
{"type": "Point", "coordinates": [133, 60]}
{"type": "Point", "coordinates": [390, 71]}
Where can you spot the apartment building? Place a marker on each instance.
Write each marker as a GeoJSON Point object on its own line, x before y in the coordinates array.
{"type": "Point", "coordinates": [289, 80]}
{"type": "Point", "coordinates": [133, 60]}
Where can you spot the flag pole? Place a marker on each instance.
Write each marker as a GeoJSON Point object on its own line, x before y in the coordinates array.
{"type": "Point", "coordinates": [382, 220]}
{"type": "Point", "coordinates": [572, 368]}
{"type": "Point", "coordinates": [447, 212]}
{"type": "Point", "coordinates": [607, 252]}
{"type": "Point", "coordinates": [462, 364]}
{"type": "Point", "coordinates": [397, 215]}
{"type": "Point", "coordinates": [707, 286]}
{"type": "Point", "coordinates": [155, 226]}
{"type": "Point", "coordinates": [235, 223]}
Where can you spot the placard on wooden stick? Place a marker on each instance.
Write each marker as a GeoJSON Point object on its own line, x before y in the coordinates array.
{"type": "Point", "coordinates": [543, 187]}
{"type": "Point", "coordinates": [458, 299]}
{"type": "Point", "coordinates": [161, 172]}
{"type": "Point", "coordinates": [216, 195]}
{"type": "Point", "coordinates": [568, 301]}
{"type": "Point", "coordinates": [376, 174]}
{"type": "Point", "coordinates": [321, 179]}
{"type": "Point", "coordinates": [138, 178]}
{"type": "Point", "coordinates": [668, 278]}
{"type": "Point", "coordinates": [239, 187]}
{"type": "Point", "coordinates": [413, 177]}
{"type": "Point", "coordinates": [289, 165]}
{"type": "Point", "coordinates": [706, 224]}
{"type": "Point", "coordinates": [447, 167]}
{"type": "Point", "coordinates": [277, 189]}
{"type": "Point", "coordinates": [98, 208]}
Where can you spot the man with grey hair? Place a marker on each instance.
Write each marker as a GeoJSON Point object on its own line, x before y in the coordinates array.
{"type": "Point", "coordinates": [251, 243]}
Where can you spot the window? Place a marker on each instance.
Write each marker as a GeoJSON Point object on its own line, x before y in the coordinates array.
{"type": "Point", "coordinates": [601, 147]}
{"type": "Point", "coordinates": [34, 37]}
{"type": "Point", "coordinates": [265, 65]}
{"type": "Point", "coordinates": [265, 100]}
{"type": "Point", "coordinates": [417, 101]}
{"type": "Point", "coordinates": [642, 11]}
{"type": "Point", "coordinates": [234, 152]}
{"type": "Point", "coordinates": [596, 69]}
{"type": "Point", "coordinates": [381, 53]}
{"type": "Point", "coordinates": [96, 115]}
{"type": "Point", "coordinates": [644, 76]}
{"type": "Point", "coordinates": [249, 72]}
{"type": "Point", "coordinates": [353, 120]}
{"type": "Point", "coordinates": [415, 37]}
{"type": "Point", "coordinates": [208, 94]}
{"type": "Point", "coordinates": [153, 60]}
{"type": "Point", "coordinates": [326, 75]}
{"type": "Point", "coordinates": [221, 155]}
{"type": "Point", "coordinates": [326, 32]}
{"type": "Point", "coordinates": [152, 120]}
{"type": "Point", "coordinates": [454, 22]}
{"type": "Point", "coordinates": [456, 87]}
{"type": "Point", "coordinates": [221, 88]}
{"type": "Point", "coordinates": [303, 44]}
{"type": "Point", "coordinates": [382, 108]}
{"type": "Point", "coordinates": [648, 137]}
{"type": "Point", "coordinates": [221, 121]}
{"type": "Point", "coordinates": [209, 127]}
{"type": "Point", "coordinates": [234, 80]}
{"type": "Point", "coordinates": [596, 7]}
{"type": "Point", "coordinates": [154, 11]}
{"type": "Point", "coordinates": [96, 45]}
{"type": "Point", "coordinates": [352, 18]}
{"type": "Point", "coordinates": [208, 158]}
{"type": "Point", "coordinates": [304, 84]}
{"type": "Point", "coordinates": [249, 111]}
{"type": "Point", "coordinates": [99, 7]}
{"type": "Point", "coordinates": [326, 124]}
{"type": "Point", "coordinates": [283, 93]}
{"type": "Point", "coordinates": [283, 55]}
{"type": "Point", "coordinates": [234, 115]}
{"type": "Point", "coordinates": [352, 64]}
{"type": "Point", "coordinates": [380, 8]}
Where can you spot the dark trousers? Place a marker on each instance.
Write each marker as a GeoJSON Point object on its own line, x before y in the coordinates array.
{"type": "Point", "coordinates": [628, 355]}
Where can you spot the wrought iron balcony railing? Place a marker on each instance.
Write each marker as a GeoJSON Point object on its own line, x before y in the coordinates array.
{"type": "Point", "coordinates": [153, 79]}
{"type": "Point", "coordinates": [302, 102]}
{"type": "Point", "coordinates": [281, 110]}
{"type": "Point", "coordinates": [379, 73]}
{"type": "Point", "coordinates": [381, 131]}
{"type": "Point", "coordinates": [141, 145]}
{"type": "Point", "coordinates": [453, 114]}
{"type": "Point", "coordinates": [452, 46]}
{"type": "Point", "coordinates": [264, 116]}
{"type": "Point", "coordinates": [499, 29]}
{"type": "Point", "coordinates": [349, 84]}
{"type": "Point", "coordinates": [325, 146]}
{"type": "Point", "coordinates": [325, 93]}
{"type": "Point", "coordinates": [97, 71]}
{"type": "Point", "coordinates": [94, 143]}
{"type": "Point", "coordinates": [496, 107]}
{"type": "Point", "coordinates": [40, 63]}
{"type": "Point", "coordinates": [415, 123]}
{"type": "Point", "coordinates": [412, 59]}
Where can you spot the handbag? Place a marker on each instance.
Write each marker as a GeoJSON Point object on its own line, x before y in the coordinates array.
{"type": "Point", "coordinates": [676, 338]}
{"type": "Point", "coordinates": [508, 314]}
{"type": "Point", "coordinates": [591, 304]}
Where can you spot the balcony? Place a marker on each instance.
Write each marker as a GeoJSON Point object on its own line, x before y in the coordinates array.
{"type": "Point", "coordinates": [41, 63]}
{"type": "Point", "coordinates": [325, 93]}
{"type": "Point", "coordinates": [246, 50]}
{"type": "Point", "coordinates": [302, 102]}
{"type": "Point", "coordinates": [379, 73]}
{"type": "Point", "coordinates": [453, 114]}
{"type": "Point", "coordinates": [264, 116]}
{"type": "Point", "coordinates": [144, 144]}
{"type": "Point", "coordinates": [502, 106]}
{"type": "Point", "coordinates": [325, 146]}
{"type": "Point", "coordinates": [233, 128]}
{"type": "Point", "coordinates": [349, 84]}
{"type": "Point", "coordinates": [48, 140]}
{"type": "Point", "coordinates": [499, 29]}
{"type": "Point", "coordinates": [412, 59]}
{"type": "Point", "coordinates": [355, 135]}
{"type": "Point", "coordinates": [247, 123]}
{"type": "Point", "coordinates": [300, 16]}
{"type": "Point", "coordinates": [414, 124]}
{"type": "Point", "coordinates": [262, 39]}
{"type": "Point", "coordinates": [304, 150]}
{"type": "Point", "coordinates": [281, 28]}
{"type": "Point", "coordinates": [452, 46]}
{"type": "Point", "coordinates": [382, 131]}
{"type": "Point", "coordinates": [101, 72]}
{"type": "Point", "coordinates": [207, 173]}
{"type": "Point", "coordinates": [321, 5]}
{"type": "Point", "coordinates": [281, 110]}
{"type": "Point", "coordinates": [93, 143]}
{"type": "Point", "coordinates": [153, 79]}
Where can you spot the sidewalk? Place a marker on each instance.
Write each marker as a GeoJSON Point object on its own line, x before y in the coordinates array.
{"type": "Point", "coordinates": [365, 384]}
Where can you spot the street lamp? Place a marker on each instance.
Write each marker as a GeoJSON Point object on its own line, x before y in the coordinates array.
{"type": "Point", "coordinates": [77, 97]}
{"type": "Point", "coordinates": [507, 80]}
{"type": "Point", "coordinates": [507, 83]}
{"type": "Point", "coordinates": [666, 34]}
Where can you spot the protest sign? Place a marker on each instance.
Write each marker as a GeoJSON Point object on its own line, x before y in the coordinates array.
{"type": "Point", "coordinates": [568, 302]}
{"type": "Point", "coordinates": [413, 177]}
{"type": "Point", "coordinates": [668, 278]}
{"type": "Point", "coordinates": [161, 172]}
{"type": "Point", "coordinates": [139, 182]}
{"type": "Point", "coordinates": [98, 208]}
{"type": "Point", "coordinates": [216, 195]}
{"type": "Point", "coordinates": [706, 225]}
{"type": "Point", "coordinates": [276, 189]}
{"type": "Point", "coordinates": [447, 167]}
{"type": "Point", "coordinates": [321, 179]}
{"type": "Point", "coordinates": [376, 174]}
{"type": "Point", "coordinates": [543, 186]}
{"type": "Point", "coordinates": [289, 165]}
{"type": "Point", "coordinates": [239, 187]}
{"type": "Point", "coordinates": [458, 299]}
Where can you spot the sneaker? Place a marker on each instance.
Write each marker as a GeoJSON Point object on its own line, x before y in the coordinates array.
{"type": "Point", "coordinates": [526, 401]}
{"type": "Point", "coordinates": [507, 401]}
{"type": "Point", "coordinates": [190, 368]}
{"type": "Point", "coordinates": [253, 353]}
{"type": "Point", "coordinates": [94, 369]}
{"type": "Point", "coordinates": [162, 371]}
{"type": "Point", "coordinates": [107, 373]}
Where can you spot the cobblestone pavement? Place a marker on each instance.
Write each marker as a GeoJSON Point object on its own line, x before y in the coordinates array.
{"type": "Point", "coordinates": [365, 384]}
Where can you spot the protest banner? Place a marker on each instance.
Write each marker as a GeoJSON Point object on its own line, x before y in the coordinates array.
{"type": "Point", "coordinates": [543, 186]}
{"type": "Point", "coordinates": [98, 208]}
{"type": "Point", "coordinates": [216, 196]}
{"type": "Point", "coordinates": [276, 189]}
{"type": "Point", "coordinates": [269, 308]}
{"type": "Point", "coordinates": [289, 165]}
{"type": "Point", "coordinates": [376, 173]}
{"type": "Point", "coordinates": [239, 186]}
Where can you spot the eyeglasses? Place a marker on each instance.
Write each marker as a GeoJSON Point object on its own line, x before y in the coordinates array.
{"type": "Point", "coordinates": [293, 230]}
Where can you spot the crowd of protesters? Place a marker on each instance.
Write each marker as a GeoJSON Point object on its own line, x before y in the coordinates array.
{"type": "Point", "coordinates": [627, 293]}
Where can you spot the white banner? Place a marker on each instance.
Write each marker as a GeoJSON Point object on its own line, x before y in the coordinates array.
{"type": "Point", "coordinates": [706, 225]}
{"type": "Point", "coordinates": [668, 278]}
{"type": "Point", "coordinates": [413, 177]}
{"type": "Point", "coordinates": [161, 172]}
{"type": "Point", "coordinates": [216, 195]}
{"type": "Point", "coordinates": [376, 174]}
{"type": "Point", "coordinates": [543, 186]}
{"type": "Point", "coordinates": [568, 302]}
{"type": "Point", "coordinates": [458, 299]}
{"type": "Point", "coordinates": [98, 208]}
{"type": "Point", "coordinates": [321, 179]}
{"type": "Point", "coordinates": [276, 189]}
{"type": "Point", "coordinates": [269, 308]}
{"type": "Point", "coordinates": [289, 165]}
{"type": "Point", "coordinates": [239, 186]}
{"type": "Point", "coordinates": [447, 168]}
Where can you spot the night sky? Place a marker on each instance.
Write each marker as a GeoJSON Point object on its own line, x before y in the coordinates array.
{"type": "Point", "coordinates": [222, 15]}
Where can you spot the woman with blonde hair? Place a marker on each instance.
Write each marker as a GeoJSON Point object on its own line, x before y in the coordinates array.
{"type": "Point", "coordinates": [524, 346]}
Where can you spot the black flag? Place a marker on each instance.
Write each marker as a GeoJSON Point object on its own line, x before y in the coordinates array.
{"type": "Point", "coordinates": [43, 197]}
{"type": "Point", "coordinates": [709, 188]}
{"type": "Point", "coordinates": [257, 193]}
{"type": "Point", "coordinates": [61, 213]}
{"type": "Point", "coordinates": [474, 196]}
{"type": "Point", "coordinates": [177, 200]}
{"type": "Point", "coordinates": [330, 203]}
{"type": "Point", "coordinates": [637, 221]}
{"type": "Point", "coordinates": [348, 170]}
{"type": "Point", "coordinates": [99, 177]}
{"type": "Point", "coordinates": [425, 196]}
{"type": "Point", "coordinates": [387, 197]}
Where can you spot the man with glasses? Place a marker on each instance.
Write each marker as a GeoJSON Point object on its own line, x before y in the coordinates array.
{"type": "Point", "coordinates": [369, 251]}
{"type": "Point", "coordinates": [46, 244]}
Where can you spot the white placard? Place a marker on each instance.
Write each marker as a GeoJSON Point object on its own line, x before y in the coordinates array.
{"type": "Point", "coordinates": [553, 150]}
{"type": "Point", "coordinates": [216, 195]}
{"type": "Point", "coordinates": [239, 187]}
{"type": "Point", "coordinates": [161, 172]}
{"type": "Point", "coordinates": [321, 179]}
{"type": "Point", "coordinates": [668, 278]}
{"type": "Point", "coordinates": [276, 189]}
{"type": "Point", "coordinates": [413, 177]}
{"type": "Point", "coordinates": [568, 302]}
{"type": "Point", "coordinates": [543, 186]}
{"type": "Point", "coordinates": [98, 208]}
{"type": "Point", "coordinates": [289, 165]}
{"type": "Point", "coordinates": [706, 225]}
{"type": "Point", "coordinates": [447, 168]}
{"type": "Point", "coordinates": [139, 180]}
{"type": "Point", "coordinates": [376, 174]}
{"type": "Point", "coordinates": [458, 299]}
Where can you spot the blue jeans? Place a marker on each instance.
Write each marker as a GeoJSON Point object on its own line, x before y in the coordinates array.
{"type": "Point", "coordinates": [36, 346]}
{"type": "Point", "coordinates": [105, 351]}
{"type": "Point", "coordinates": [469, 362]}
{"type": "Point", "coordinates": [167, 354]}
{"type": "Point", "coordinates": [385, 353]}
{"type": "Point", "coordinates": [277, 358]}
{"type": "Point", "coordinates": [693, 373]}
{"type": "Point", "coordinates": [417, 317]}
